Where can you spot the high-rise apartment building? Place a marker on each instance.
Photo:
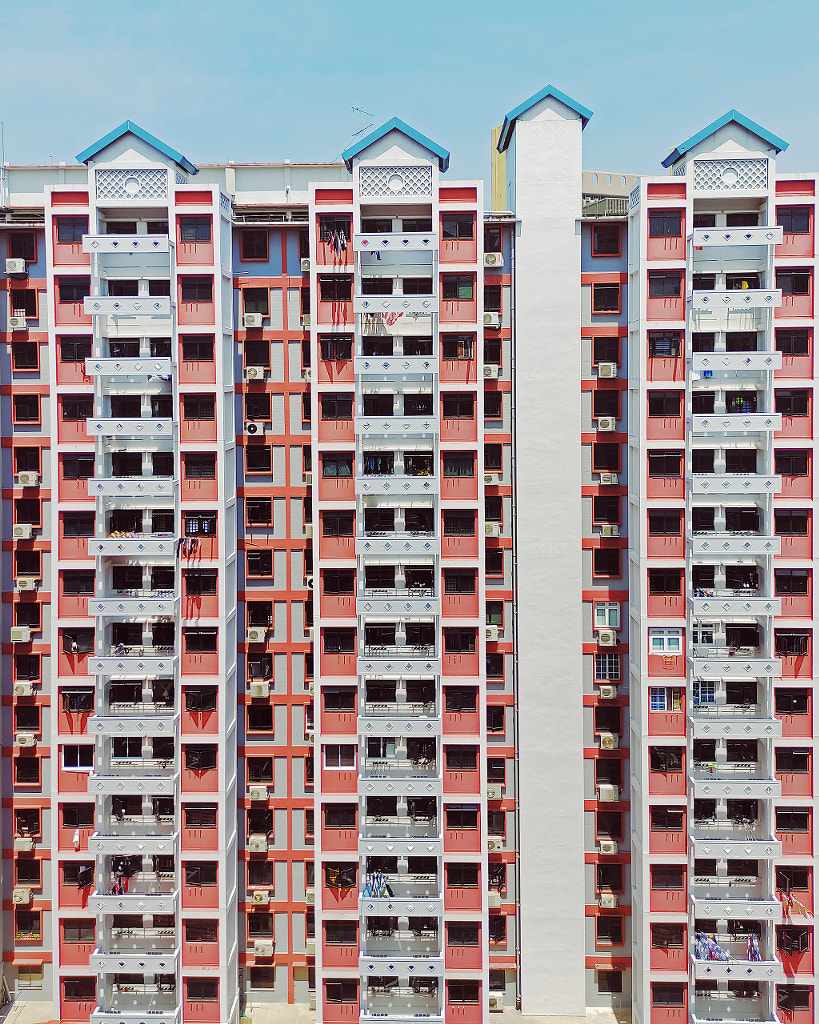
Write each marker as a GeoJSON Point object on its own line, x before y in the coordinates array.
{"type": "Point", "coordinates": [409, 606]}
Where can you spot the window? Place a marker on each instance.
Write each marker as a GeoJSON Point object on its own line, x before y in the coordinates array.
{"type": "Point", "coordinates": [791, 643]}
{"type": "Point", "coordinates": [792, 819]}
{"type": "Point", "coordinates": [792, 701]}
{"type": "Point", "coordinates": [339, 641]}
{"type": "Point", "coordinates": [793, 997]}
{"type": "Point", "coordinates": [341, 933]}
{"type": "Point", "coordinates": [668, 993]}
{"type": "Point", "coordinates": [337, 347]}
{"type": "Point", "coordinates": [605, 298]}
{"type": "Point", "coordinates": [664, 344]}
{"type": "Point", "coordinates": [495, 718]}
{"type": "Point", "coordinates": [664, 403]}
{"type": "Point", "coordinates": [461, 817]}
{"type": "Point", "coordinates": [78, 757]}
{"type": "Point", "coordinates": [457, 287]}
{"type": "Point", "coordinates": [791, 581]}
{"type": "Point", "coordinates": [195, 229]}
{"type": "Point", "coordinates": [663, 284]}
{"type": "Point", "coordinates": [459, 581]}
{"type": "Point", "coordinates": [459, 524]}
{"type": "Point", "coordinates": [253, 244]}
{"type": "Point", "coordinates": [77, 467]}
{"type": "Point", "coordinates": [196, 349]}
{"type": "Point", "coordinates": [199, 407]}
{"type": "Point", "coordinates": [607, 666]}
{"type": "Point", "coordinates": [791, 522]}
{"type": "Point", "coordinates": [28, 873]}
{"type": "Point", "coordinates": [667, 819]}
{"type": "Point", "coordinates": [666, 759]}
{"type": "Point", "coordinates": [665, 523]}
{"type": "Point", "coordinates": [609, 930]}
{"type": "Point", "coordinates": [197, 289]}
{"type": "Point", "coordinates": [200, 640]}
{"type": "Point", "coordinates": [200, 758]}
{"type": "Point", "coordinates": [78, 930]}
{"type": "Point", "coordinates": [607, 615]}
{"type": "Point", "coordinates": [200, 524]}
{"type": "Point", "coordinates": [463, 991]}
{"type": "Point", "coordinates": [71, 229]}
{"type": "Point", "coordinates": [665, 698]}
{"type": "Point", "coordinates": [73, 289]}
{"type": "Point", "coordinates": [200, 698]}
{"type": "Point", "coordinates": [337, 524]}
{"type": "Point", "coordinates": [337, 407]}
{"type": "Point", "coordinates": [461, 933]}
{"type": "Point", "coordinates": [27, 821]}
{"type": "Point", "coordinates": [259, 511]}
{"type": "Point", "coordinates": [791, 402]}
{"type": "Point", "coordinates": [256, 300]}
{"type": "Point", "coordinates": [338, 288]}
{"type": "Point", "coordinates": [459, 640]}
{"type": "Point", "coordinates": [199, 465]}
{"type": "Point", "coordinates": [796, 761]}
{"type": "Point", "coordinates": [667, 876]}
{"type": "Point", "coordinates": [606, 240]}
{"type": "Point", "coordinates": [23, 246]}
{"type": "Point", "coordinates": [794, 220]}
{"type": "Point", "coordinates": [24, 356]}
{"type": "Point", "coordinates": [461, 759]}
{"type": "Point", "coordinates": [78, 407]}
{"type": "Point", "coordinates": [78, 815]}
{"type": "Point", "coordinates": [665, 641]}
{"type": "Point", "coordinates": [202, 990]}
{"type": "Point", "coordinates": [462, 876]}
{"type": "Point", "coordinates": [792, 342]}
{"type": "Point", "coordinates": [606, 510]}
{"type": "Point", "coordinates": [458, 464]}
{"type": "Point", "coordinates": [665, 223]}
{"type": "Point", "coordinates": [665, 581]}
{"type": "Point", "coordinates": [457, 225]}
{"type": "Point", "coordinates": [200, 815]}
{"type": "Point", "coordinates": [492, 241]}
{"type": "Point", "coordinates": [605, 350]}
{"type": "Point", "coordinates": [27, 408]}
{"type": "Point", "coordinates": [493, 405]}
{"type": "Point", "coordinates": [609, 982]}
{"type": "Point", "coordinates": [78, 582]}
{"type": "Point", "coordinates": [200, 931]}
{"type": "Point", "coordinates": [345, 991]}
{"type": "Point", "coordinates": [24, 301]}
{"type": "Point", "coordinates": [793, 282]}
{"type": "Point", "coordinates": [605, 457]}
{"type": "Point", "coordinates": [340, 815]}
{"type": "Point", "coordinates": [80, 989]}
{"type": "Point", "coordinates": [606, 562]}
{"type": "Point", "coordinates": [340, 465]}
{"type": "Point", "coordinates": [458, 406]}
{"type": "Point", "coordinates": [664, 465]}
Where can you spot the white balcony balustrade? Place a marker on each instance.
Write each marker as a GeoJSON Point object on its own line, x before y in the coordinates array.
{"type": "Point", "coordinates": [139, 244]}
{"type": "Point", "coordinates": [142, 369]}
{"type": "Point", "coordinates": [740, 544]}
{"type": "Point", "coordinates": [736, 299]}
{"type": "Point", "coordinates": [395, 242]}
{"type": "Point", "coordinates": [152, 306]}
{"type": "Point", "coordinates": [703, 238]}
{"type": "Point", "coordinates": [750, 363]}
{"type": "Point", "coordinates": [137, 426]}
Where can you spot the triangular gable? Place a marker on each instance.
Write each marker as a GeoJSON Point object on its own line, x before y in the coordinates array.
{"type": "Point", "coordinates": [770, 140]}
{"type": "Point", "coordinates": [549, 90]}
{"type": "Point", "coordinates": [128, 127]}
{"type": "Point", "coordinates": [396, 124]}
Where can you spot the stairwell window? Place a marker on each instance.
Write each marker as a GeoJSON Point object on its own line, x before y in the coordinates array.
{"type": "Point", "coordinates": [664, 344]}
{"type": "Point", "coordinates": [663, 284]}
{"type": "Point", "coordinates": [605, 298]}
{"type": "Point", "coordinates": [792, 342]}
{"type": "Point", "coordinates": [664, 403]}
{"type": "Point", "coordinates": [195, 229]}
{"type": "Point", "coordinates": [665, 641]}
{"type": "Point", "coordinates": [606, 240]}
{"type": "Point", "coordinates": [792, 701]}
{"type": "Point", "coordinates": [71, 229]}
{"type": "Point", "coordinates": [457, 287]}
{"type": "Point", "coordinates": [665, 698]}
{"type": "Point", "coordinates": [794, 282]}
{"type": "Point", "coordinates": [794, 220]}
{"type": "Point", "coordinates": [459, 464]}
{"type": "Point", "coordinates": [335, 288]}
{"type": "Point", "coordinates": [793, 997]}
{"type": "Point", "coordinates": [197, 289]}
{"type": "Point", "coordinates": [665, 224]}
{"type": "Point", "coordinates": [665, 465]}
{"type": "Point", "coordinates": [791, 643]}
{"type": "Point", "coordinates": [607, 667]}
{"type": "Point", "coordinates": [792, 402]}
{"type": "Point", "coordinates": [668, 993]}
{"type": "Point", "coordinates": [792, 819]}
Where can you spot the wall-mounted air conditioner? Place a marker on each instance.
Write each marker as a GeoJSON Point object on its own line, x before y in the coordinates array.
{"type": "Point", "coordinates": [609, 741]}
{"type": "Point", "coordinates": [609, 479]}
{"type": "Point", "coordinates": [260, 688]}
{"type": "Point", "coordinates": [491, 371]}
{"type": "Point", "coordinates": [255, 429]}
{"type": "Point", "coordinates": [493, 633]}
{"type": "Point", "coordinates": [20, 635]}
{"type": "Point", "coordinates": [607, 369]}
{"type": "Point", "coordinates": [305, 266]}
{"type": "Point", "coordinates": [608, 692]}
{"type": "Point", "coordinates": [24, 689]}
{"type": "Point", "coordinates": [25, 739]}
{"type": "Point", "coordinates": [255, 372]}
{"type": "Point", "coordinates": [607, 793]}
{"type": "Point", "coordinates": [607, 423]}
{"type": "Point", "coordinates": [606, 638]}
{"type": "Point", "coordinates": [609, 531]}
{"type": "Point", "coordinates": [26, 583]}
{"type": "Point", "coordinates": [16, 268]}
{"type": "Point", "coordinates": [28, 479]}
{"type": "Point", "coordinates": [494, 793]}
{"type": "Point", "coordinates": [21, 896]}
{"type": "Point", "coordinates": [494, 844]}
{"type": "Point", "coordinates": [263, 947]}
{"type": "Point", "coordinates": [252, 320]}
{"type": "Point", "coordinates": [256, 635]}
{"type": "Point", "coordinates": [491, 479]}
{"type": "Point", "coordinates": [491, 320]}
{"type": "Point", "coordinates": [257, 793]}
{"type": "Point", "coordinates": [492, 529]}
{"type": "Point", "coordinates": [608, 900]}
{"type": "Point", "coordinates": [257, 844]}
{"type": "Point", "coordinates": [493, 259]}
{"type": "Point", "coordinates": [260, 897]}
{"type": "Point", "coordinates": [22, 531]}
{"type": "Point", "coordinates": [607, 846]}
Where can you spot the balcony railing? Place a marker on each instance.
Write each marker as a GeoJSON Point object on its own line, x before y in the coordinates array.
{"type": "Point", "coordinates": [398, 709]}
{"type": "Point", "coordinates": [132, 486]}
{"type": "Point", "coordinates": [126, 243]}
{"type": "Point", "coordinates": [743, 544]}
{"type": "Point", "coordinates": [702, 238]}
{"type": "Point", "coordinates": [399, 767]}
{"type": "Point", "coordinates": [406, 886]}
{"type": "Point", "coordinates": [139, 305]}
{"type": "Point", "coordinates": [399, 827]}
{"type": "Point", "coordinates": [736, 299]}
{"type": "Point", "coordinates": [126, 426]}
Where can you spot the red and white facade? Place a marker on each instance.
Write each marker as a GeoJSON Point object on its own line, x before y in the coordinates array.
{"type": "Point", "coordinates": [409, 607]}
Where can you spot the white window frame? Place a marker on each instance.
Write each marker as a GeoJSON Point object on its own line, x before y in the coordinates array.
{"type": "Point", "coordinates": [78, 768]}
{"type": "Point", "coordinates": [698, 633]}
{"type": "Point", "coordinates": [606, 614]}
{"type": "Point", "coordinates": [665, 640]}
{"type": "Point", "coordinates": [703, 691]}
{"type": "Point", "coordinates": [611, 661]}
{"type": "Point", "coordinates": [665, 698]}
{"type": "Point", "coordinates": [336, 749]}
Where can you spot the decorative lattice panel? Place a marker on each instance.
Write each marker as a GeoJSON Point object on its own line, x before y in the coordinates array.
{"type": "Point", "coordinates": [634, 198]}
{"type": "Point", "coordinates": [415, 180]}
{"type": "Point", "coordinates": [181, 179]}
{"type": "Point", "coordinates": [679, 170]}
{"type": "Point", "coordinates": [730, 175]}
{"type": "Point", "coordinates": [132, 185]}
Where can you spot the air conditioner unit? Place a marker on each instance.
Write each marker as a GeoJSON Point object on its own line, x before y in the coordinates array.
{"type": "Point", "coordinates": [494, 845]}
{"type": "Point", "coordinates": [22, 531]}
{"type": "Point", "coordinates": [20, 635]}
{"type": "Point", "coordinates": [608, 794]}
{"type": "Point", "coordinates": [25, 739]}
{"type": "Point", "coordinates": [491, 479]}
{"type": "Point", "coordinates": [305, 319]}
{"type": "Point", "coordinates": [260, 689]}
{"type": "Point", "coordinates": [257, 793]}
{"type": "Point", "coordinates": [609, 741]}
{"type": "Point", "coordinates": [306, 373]}
{"type": "Point", "coordinates": [495, 1002]}
{"type": "Point", "coordinates": [607, 846]}
{"type": "Point", "coordinates": [257, 844]}
{"type": "Point", "coordinates": [606, 638]}
{"type": "Point", "coordinates": [256, 635]}
{"type": "Point", "coordinates": [607, 369]}
{"type": "Point", "coordinates": [312, 1004]}
{"type": "Point", "coordinates": [255, 372]}
{"type": "Point", "coordinates": [23, 844]}
{"type": "Point", "coordinates": [311, 687]}
{"type": "Point", "coordinates": [492, 529]}
{"type": "Point", "coordinates": [255, 429]}
{"type": "Point", "coordinates": [28, 479]}
{"type": "Point", "coordinates": [491, 319]}
{"type": "Point", "coordinates": [21, 896]}
{"type": "Point", "coordinates": [26, 583]}
{"type": "Point", "coordinates": [493, 793]}
{"type": "Point", "coordinates": [263, 947]}
{"type": "Point", "coordinates": [308, 632]}
{"type": "Point", "coordinates": [18, 322]}
{"type": "Point", "coordinates": [610, 531]}
{"type": "Point", "coordinates": [310, 947]}
{"type": "Point", "coordinates": [305, 266]}
{"type": "Point", "coordinates": [607, 423]}
{"type": "Point", "coordinates": [609, 479]}
{"type": "Point", "coordinates": [608, 900]}
{"type": "Point", "coordinates": [491, 371]}
{"type": "Point", "coordinates": [310, 895]}
{"type": "Point", "coordinates": [307, 478]}
{"type": "Point", "coordinates": [260, 897]}
{"type": "Point", "coordinates": [308, 530]}
{"type": "Point", "coordinates": [493, 633]}
{"type": "Point", "coordinates": [252, 319]}
{"type": "Point", "coordinates": [24, 689]}
{"type": "Point", "coordinates": [15, 267]}
{"type": "Point", "coordinates": [493, 259]}
{"type": "Point", "coordinates": [308, 582]}
{"type": "Point", "coordinates": [309, 737]}
{"type": "Point", "coordinates": [494, 900]}
{"type": "Point", "coordinates": [608, 692]}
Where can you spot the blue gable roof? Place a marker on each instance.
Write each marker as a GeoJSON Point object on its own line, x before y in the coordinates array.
{"type": "Point", "coordinates": [396, 123]}
{"type": "Point", "coordinates": [134, 129]}
{"type": "Point", "coordinates": [733, 115]}
{"type": "Point", "coordinates": [521, 108]}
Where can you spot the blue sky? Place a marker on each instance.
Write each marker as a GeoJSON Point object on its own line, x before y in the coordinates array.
{"type": "Point", "coordinates": [267, 79]}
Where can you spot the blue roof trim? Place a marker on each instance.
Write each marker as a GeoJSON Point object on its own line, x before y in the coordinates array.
{"type": "Point", "coordinates": [396, 123]}
{"type": "Point", "coordinates": [733, 115]}
{"type": "Point", "coordinates": [134, 129]}
{"type": "Point", "coordinates": [509, 121]}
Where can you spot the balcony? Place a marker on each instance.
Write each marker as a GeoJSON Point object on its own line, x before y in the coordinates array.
{"type": "Point", "coordinates": [153, 603]}
{"type": "Point", "coordinates": [395, 601]}
{"type": "Point", "coordinates": [110, 723]}
{"type": "Point", "coordinates": [734, 483]}
{"type": "Point", "coordinates": [395, 660]}
{"type": "Point", "coordinates": [399, 826]}
{"type": "Point", "coordinates": [398, 484]}
{"type": "Point", "coordinates": [728, 909]}
{"type": "Point", "coordinates": [398, 1001]}
{"type": "Point", "coordinates": [126, 244]}
{"type": "Point", "coordinates": [724, 839]}
{"type": "Point", "coordinates": [133, 662]}
{"type": "Point", "coordinates": [741, 544]}
{"type": "Point", "coordinates": [155, 307]}
{"type": "Point", "coordinates": [152, 777]}
{"type": "Point", "coordinates": [139, 1008]}
{"type": "Point", "coordinates": [736, 965]}
{"type": "Point", "coordinates": [733, 721]}
{"type": "Point", "coordinates": [733, 780]}
{"type": "Point", "coordinates": [401, 944]}
{"type": "Point", "coordinates": [133, 545]}
{"type": "Point", "coordinates": [736, 362]}
{"type": "Point", "coordinates": [395, 369]}
{"type": "Point", "coordinates": [702, 238]}
{"type": "Point", "coordinates": [139, 899]}
{"type": "Point", "coordinates": [390, 427]}
{"type": "Point", "coordinates": [725, 1006]}
{"type": "Point", "coordinates": [133, 487]}
{"type": "Point", "coordinates": [140, 368]}
{"type": "Point", "coordinates": [135, 959]}
{"type": "Point", "coordinates": [404, 304]}
{"type": "Point", "coordinates": [736, 300]}
{"type": "Point", "coordinates": [137, 426]}
{"type": "Point", "coordinates": [721, 603]}
{"type": "Point", "coordinates": [400, 846]}
{"type": "Point", "coordinates": [420, 889]}
{"type": "Point", "coordinates": [737, 423]}
{"type": "Point", "coordinates": [120, 843]}
{"type": "Point", "coordinates": [398, 543]}
{"type": "Point", "coordinates": [733, 663]}
{"type": "Point", "coordinates": [398, 241]}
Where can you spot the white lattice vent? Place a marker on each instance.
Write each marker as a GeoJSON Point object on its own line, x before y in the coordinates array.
{"type": "Point", "coordinates": [414, 180]}
{"type": "Point", "coordinates": [731, 175]}
{"type": "Point", "coordinates": [132, 185]}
